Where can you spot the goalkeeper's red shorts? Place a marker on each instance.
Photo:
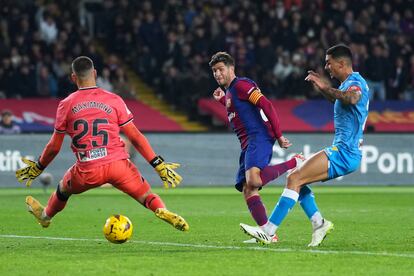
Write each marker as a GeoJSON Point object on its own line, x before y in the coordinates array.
{"type": "Point", "coordinates": [122, 174]}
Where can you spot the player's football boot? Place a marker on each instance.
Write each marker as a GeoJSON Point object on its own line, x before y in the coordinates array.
{"type": "Point", "coordinates": [299, 161]}
{"type": "Point", "coordinates": [34, 207]}
{"type": "Point", "coordinates": [257, 233]}
{"type": "Point", "coordinates": [320, 233]}
{"type": "Point", "coordinates": [252, 240]}
{"type": "Point", "coordinates": [175, 220]}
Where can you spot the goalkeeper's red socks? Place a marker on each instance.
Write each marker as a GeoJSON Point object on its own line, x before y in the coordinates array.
{"type": "Point", "coordinates": [54, 205]}
{"type": "Point", "coordinates": [153, 202]}
{"type": "Point", "coordinates": [270, 173]}
{"type": "Point", "coordinates": [257, 209]}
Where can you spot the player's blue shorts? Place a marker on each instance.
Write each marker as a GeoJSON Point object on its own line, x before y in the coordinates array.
{"type": "Point", "coordinates": [257, 154]}
{"type": "Point", "coordinates": [341, 162]}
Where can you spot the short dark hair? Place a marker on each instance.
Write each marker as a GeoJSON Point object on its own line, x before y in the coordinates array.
{"type": "Point", "coordinates": [340, 51]}
{"type": "Point", "coordinates": [224, 57]}
{"type": "Point", "coordinates": [6, 112]}
{"type": "Point", "coordinates": [81, 66]}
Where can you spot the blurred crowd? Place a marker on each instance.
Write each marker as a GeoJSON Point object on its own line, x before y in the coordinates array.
{"type": "Point", "coordinates": [169, 43]}
{"type": "Point", "coordinates": [38, 41]}
{"type": "Point", "coordinates": [274, 42]}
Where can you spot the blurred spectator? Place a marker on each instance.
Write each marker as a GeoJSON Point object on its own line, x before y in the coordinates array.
{"type": "Point", "coordinates": [283, 68]}
{"type": "Point", "coordinates": [376, 73]}
{"type": "Point", "coordinates": [46, 83]}
{"type": "Point", "coordinates": [409, 93]}
{"type": "Point", "coordinates": [104, 80]}
{"type": "Point", "coordinates": [398, 78]}
{"type": "Point", "coordinates": [48, 28]}
{"type": "Point", "coordinates": [121, 85]}
{"type": "Point", "coordinates": [7, 126]}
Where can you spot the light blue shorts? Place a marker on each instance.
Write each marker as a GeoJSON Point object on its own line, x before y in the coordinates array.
{"type": "Point", "coordinates": [341, 162]}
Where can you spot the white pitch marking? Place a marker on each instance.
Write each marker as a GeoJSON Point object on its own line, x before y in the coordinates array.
{"type": "Point", "coordinates": [257, 248]}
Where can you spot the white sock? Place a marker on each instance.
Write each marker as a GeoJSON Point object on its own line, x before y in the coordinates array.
{"type": "Point", "coordinates": [44, 216]}
{"type": "Point", "coordinates": [269, 228]}
{"type": "Point", "coordinates": [316, 220]}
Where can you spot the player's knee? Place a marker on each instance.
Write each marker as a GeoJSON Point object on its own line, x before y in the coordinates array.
{"type": "Point", "coordinates": [293, 180]}
{"type": "Point", "coordinates": [254, 181]}
{"type": "Point", "coordinates": [248, 191]}
{"type": "Point", "coordinates": [61, 194]}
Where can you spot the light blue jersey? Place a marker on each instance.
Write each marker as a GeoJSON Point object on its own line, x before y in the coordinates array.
{"type": "Point", "coordinates": [345, 153]}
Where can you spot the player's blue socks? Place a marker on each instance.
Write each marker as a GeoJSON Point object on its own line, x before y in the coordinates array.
{"type": "Point", "coordinates": [308, 203]}
{"type": "Point", "coordinates": [286, 202]}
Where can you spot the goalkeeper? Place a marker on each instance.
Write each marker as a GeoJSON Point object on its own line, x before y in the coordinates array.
{"type": "Point", "coordinates": [93, 118]}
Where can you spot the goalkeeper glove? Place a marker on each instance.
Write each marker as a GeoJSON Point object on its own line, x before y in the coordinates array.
{"type": "Point", "coordinates": [166, 171]}
{"type": "Point", "coordinates": [33, 170]}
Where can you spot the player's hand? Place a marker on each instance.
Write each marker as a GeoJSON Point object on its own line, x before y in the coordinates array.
{"type": "Point", "coordinates": [218, 94]}
{"type": "Point", "coordinates": [284, 143]}
{"type": "Point", "coordinates": [316, 80]}
{"type": "Point", "coordinates": [33, 170]}
{"type": "Point", "coordinates": [166, 172]}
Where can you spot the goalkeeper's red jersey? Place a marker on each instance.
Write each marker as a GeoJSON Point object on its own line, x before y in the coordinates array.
{"type": "Point", "coordinates": [92, 117]}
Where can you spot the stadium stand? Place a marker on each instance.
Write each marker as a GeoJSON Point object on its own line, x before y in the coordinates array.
{"type": "Point", "coordinates": [168, 44]}
{"type": "Point", "coordinates": [38, 41]}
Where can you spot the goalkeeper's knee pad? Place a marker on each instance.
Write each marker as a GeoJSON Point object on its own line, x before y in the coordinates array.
{"type": "Point", "coordinates": [61, 195]}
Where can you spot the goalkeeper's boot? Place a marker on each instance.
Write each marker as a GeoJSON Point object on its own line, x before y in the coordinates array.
{"type": "Point", "coordinates": [257, 233]}
{"type": "Point", "coordinates": [320, 233]}
{"type": "Point", "coordinates": [175, 220]}
{"type": "Point", "coordinates": [34, 207]}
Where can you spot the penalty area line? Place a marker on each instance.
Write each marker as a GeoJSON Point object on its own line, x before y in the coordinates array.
{"type": "Point", "coordinates": [206, 246]}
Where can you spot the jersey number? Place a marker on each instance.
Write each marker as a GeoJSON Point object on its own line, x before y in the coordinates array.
{"type": "Point", "coordinates": [95, 132]}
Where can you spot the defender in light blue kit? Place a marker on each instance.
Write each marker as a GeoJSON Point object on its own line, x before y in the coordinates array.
{"type": "Point", "coordinates": [351, 102]}
{"type": "Point", "coordinates": [345, 153]}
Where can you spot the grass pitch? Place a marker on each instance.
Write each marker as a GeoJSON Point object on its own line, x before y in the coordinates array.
{"type": "Point", "coordinates": [374, 235]}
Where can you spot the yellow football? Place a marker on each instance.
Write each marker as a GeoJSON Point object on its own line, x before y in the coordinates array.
{"type": "Point", "coordinates": [118, 229]}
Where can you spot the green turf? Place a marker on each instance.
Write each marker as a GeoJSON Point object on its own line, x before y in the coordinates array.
{"type": "Point", "coordinates": [374, 235]}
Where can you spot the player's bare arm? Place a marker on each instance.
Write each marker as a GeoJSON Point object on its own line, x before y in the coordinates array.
{"type": "Point", "coordinates": [319, 84]}
{"type": "Point", "coordinates": [350, 96]}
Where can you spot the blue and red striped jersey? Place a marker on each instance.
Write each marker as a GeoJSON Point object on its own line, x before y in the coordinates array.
{"type": "Point", "coordinates": [247, 120]}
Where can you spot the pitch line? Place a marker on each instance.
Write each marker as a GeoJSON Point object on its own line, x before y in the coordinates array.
{"type": "Point", "coordinates": [255, 248]}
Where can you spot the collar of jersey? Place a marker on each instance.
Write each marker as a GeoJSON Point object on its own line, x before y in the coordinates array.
{"type": "Point", "coordinates": [232, 82]}
{"type": "Point", "coordinates": [86, 88]}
